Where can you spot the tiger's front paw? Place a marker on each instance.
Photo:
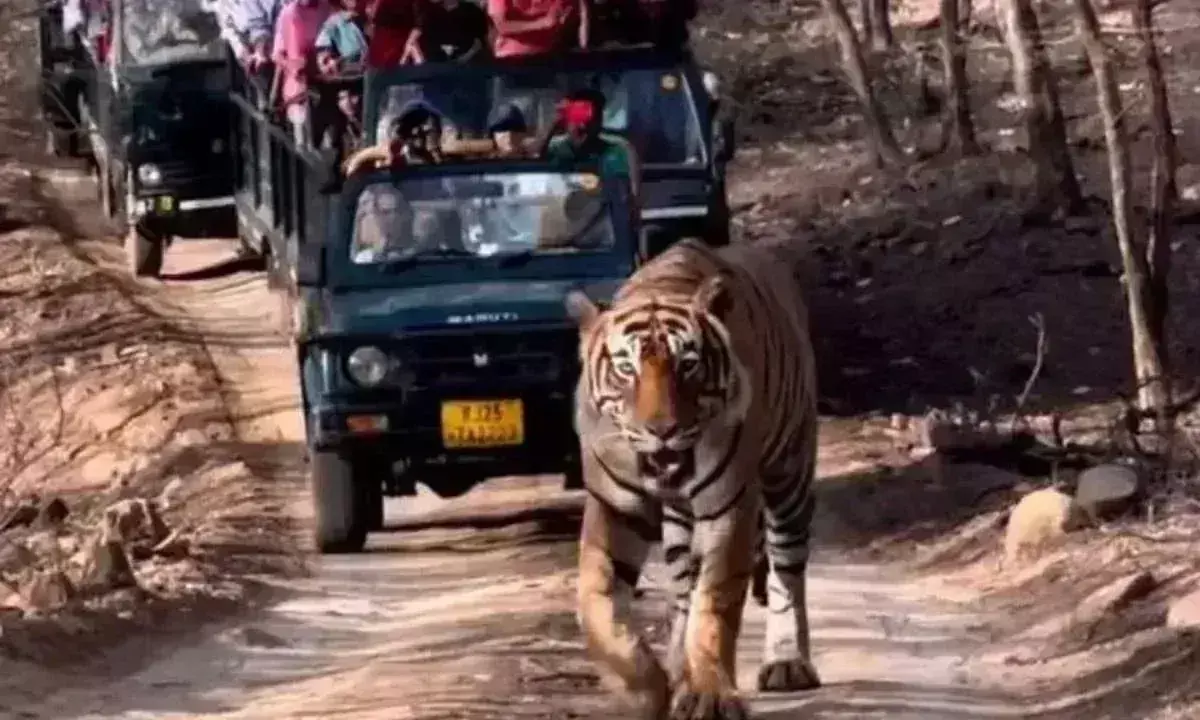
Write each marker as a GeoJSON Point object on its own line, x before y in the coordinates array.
{"type": "Point", "coordinates": [788, 675]}
{"type": "Point", "coordinates": [690, 704]}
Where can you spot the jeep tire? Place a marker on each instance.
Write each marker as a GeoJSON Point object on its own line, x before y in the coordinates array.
{"type": "Point", "coordinates": [347, 501]}
{"type": "Point", "coordinates": [144, 251]}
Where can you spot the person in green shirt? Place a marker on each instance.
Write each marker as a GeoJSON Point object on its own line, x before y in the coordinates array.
{"type": "Point", "coordinates": [582, 141]}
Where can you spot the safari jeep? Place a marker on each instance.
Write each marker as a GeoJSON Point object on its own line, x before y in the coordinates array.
{"type": "Point", "coordinates": [432, 335]}
{"type": "Point", "coordinates": [152, 102]}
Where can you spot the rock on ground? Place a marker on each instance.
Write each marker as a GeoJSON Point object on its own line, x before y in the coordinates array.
{"type": "Point", "coordinates": [1107, 491]}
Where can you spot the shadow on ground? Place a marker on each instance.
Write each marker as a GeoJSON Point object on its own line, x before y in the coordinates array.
{"type": "Point", "coordinates": [219, 270]}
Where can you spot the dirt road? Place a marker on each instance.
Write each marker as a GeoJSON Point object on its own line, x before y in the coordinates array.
{"type": "Point", "coordinates": [464, 609]}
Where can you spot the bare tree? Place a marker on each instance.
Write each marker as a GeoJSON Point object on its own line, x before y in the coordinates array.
{"type": "Point", "coordinates": [1153, 392]}
{"type": "Point", "coordinates": [1164, 194]}
{"type": "Point", "coordinates": [958, 130]}
{"type": "Point", "coordinates": [1035, 83]}
{"type": "Point", "coordinates": [877, 24]}
{"type": "Point", "coordinates": [966, 13]}
{"type": "Point", "coordinates": [883, 143]}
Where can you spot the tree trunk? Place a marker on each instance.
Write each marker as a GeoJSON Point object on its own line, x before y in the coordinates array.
{"type": "Point", "coordinates": [884, 148]}
{"type": "Point", "coordinates": [958, 129]}
{"type": "Point", "coordinates": [1153, 393]}
{"type": "Point", "coordinates": [1034, 81]}
{"type": "Point", "coordinates": [1165, 191]}
{"type": "Point", "coordinates": [881, 25]}
{"type": "Point", "coordinates": [877, 24]}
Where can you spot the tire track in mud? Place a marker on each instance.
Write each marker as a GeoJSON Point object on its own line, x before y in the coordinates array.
{"type": "Point", "coordinates": [469, 618]}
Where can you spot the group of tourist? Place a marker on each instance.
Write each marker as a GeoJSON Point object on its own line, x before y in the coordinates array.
{"type": "Point", "coordinates": [576, 137]}
{"type": "Point", "coordinates": [302, 41]}
{"type": "Point", "coordinates": [306, 39]}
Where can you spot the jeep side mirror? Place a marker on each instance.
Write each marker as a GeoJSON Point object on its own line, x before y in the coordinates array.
{"type": "Point", "coordinates": [310, 264]}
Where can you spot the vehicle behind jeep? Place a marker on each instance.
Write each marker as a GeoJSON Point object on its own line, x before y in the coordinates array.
{"type": "Point", "coordinates": [433, 338]}
{"type": "Point", "coordinates": [146, 83]}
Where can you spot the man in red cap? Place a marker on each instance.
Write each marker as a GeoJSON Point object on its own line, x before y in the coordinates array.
{"type": "Point", "coordinates": [580, 116]}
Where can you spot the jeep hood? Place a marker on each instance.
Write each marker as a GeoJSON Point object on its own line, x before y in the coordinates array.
{"type": "Point", "coordinates": [391, 310]}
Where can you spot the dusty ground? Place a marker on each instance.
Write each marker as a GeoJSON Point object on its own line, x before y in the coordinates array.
{"type": "Point", "coordinates": [107, 407]}
{"type": "Point", "coordinates": [921, 292]}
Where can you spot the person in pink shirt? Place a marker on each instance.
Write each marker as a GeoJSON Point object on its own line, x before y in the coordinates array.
{"type": "Point", "coordinates": [536, 27]}
{"type": "Point", "coordinates": [294, 54]}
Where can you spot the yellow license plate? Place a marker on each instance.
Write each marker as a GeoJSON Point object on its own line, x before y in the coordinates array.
{"type": "Point", "coordinates": [483, 423]}
{"type": "Point", "coordinates": [165, 203]}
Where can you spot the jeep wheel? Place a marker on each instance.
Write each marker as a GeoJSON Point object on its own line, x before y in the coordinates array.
{"type": "Point", "coordinates": [347, 503]}
{"type": "Point", "coordinates": [144, 251]}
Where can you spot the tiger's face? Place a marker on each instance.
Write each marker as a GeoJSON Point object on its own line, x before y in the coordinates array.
{"type": "Point", "coordinates": [661, 371]}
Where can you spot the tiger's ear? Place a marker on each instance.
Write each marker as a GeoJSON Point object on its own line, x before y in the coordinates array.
{"type": "Point", "coordinates": [713, 296]}
{"type": "Point", "coordinates": [582, 310]}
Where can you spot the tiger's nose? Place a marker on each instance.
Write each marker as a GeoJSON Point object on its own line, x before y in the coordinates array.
{"type": "Point", "coordinates": [663, 427]}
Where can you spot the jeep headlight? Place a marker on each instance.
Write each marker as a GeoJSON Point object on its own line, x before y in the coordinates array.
{"type": "Point", "coordinates": [368, 366]}
{"type": "Point", "coordinates": [149, 174]}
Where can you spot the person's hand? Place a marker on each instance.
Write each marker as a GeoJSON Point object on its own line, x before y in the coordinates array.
{"type": "Point", "coordinates": [412, 55]}
{"type": "Point", "coordinates": [258, 57]}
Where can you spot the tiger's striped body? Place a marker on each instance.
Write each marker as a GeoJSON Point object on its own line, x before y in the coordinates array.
{"type": "Point", "coordinates": [696, 412]}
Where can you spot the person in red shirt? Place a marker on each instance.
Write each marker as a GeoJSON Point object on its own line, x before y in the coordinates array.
{"type": "Point", "coordinates": [392, 32]}
{"type": "Point", "coordinates": [534, 27]}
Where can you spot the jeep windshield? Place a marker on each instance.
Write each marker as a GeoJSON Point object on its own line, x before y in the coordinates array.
{"type": "Point", "coordinates": [506, 216]}
{"type": "Point", "coordinates": [652, 107]}
{"type": "Point", "coordinates": [156, 32]}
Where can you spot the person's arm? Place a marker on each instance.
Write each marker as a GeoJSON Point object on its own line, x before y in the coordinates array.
{"type": "Point", "coordinates": [585, 23]}
{"type": "Point", "coordinates": [412, 54]}
{"type": "Point", "coordinates": [467, 146]}
{"type": "Point", "coordinates": [477, 20]}
{"type": "Point", "coordinates": [374, 154]}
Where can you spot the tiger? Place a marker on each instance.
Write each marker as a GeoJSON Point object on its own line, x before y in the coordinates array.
{"type": "Point", "coordinates": [696, 415]}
